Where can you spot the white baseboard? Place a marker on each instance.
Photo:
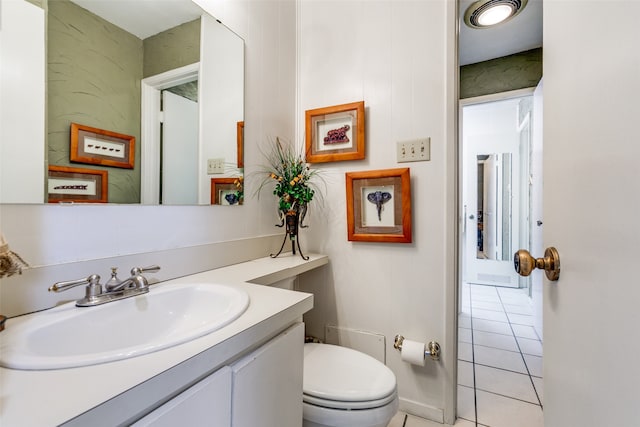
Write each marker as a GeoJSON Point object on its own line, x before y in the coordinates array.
{"type": "Point", "coordinates": [421, 410]}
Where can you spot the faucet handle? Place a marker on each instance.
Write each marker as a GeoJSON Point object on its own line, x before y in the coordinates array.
{"type": "Point", "coordinates": [150, 269]}
{"type": "Point", "coordinates": [63, 286]}
{"type": "Point", "coordinates": [94, 287]}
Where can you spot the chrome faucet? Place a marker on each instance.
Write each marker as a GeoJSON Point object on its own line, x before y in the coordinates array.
{"type": "Point", "coordinates": [113, 290]}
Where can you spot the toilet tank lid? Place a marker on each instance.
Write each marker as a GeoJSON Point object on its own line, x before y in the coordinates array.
{"type": "Point", "coordinates": [340, 373]}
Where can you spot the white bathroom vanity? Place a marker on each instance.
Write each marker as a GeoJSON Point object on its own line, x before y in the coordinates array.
{"type": "Point", "coordinates": [247, 373]}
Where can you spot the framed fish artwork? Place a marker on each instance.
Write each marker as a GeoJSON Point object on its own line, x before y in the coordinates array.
{"type": "Point", "coordinates": [77, 185]}
{"type": "Point", "coordinates": [335, 133]}
{"type": "Point", "coordinates": [379, 206]}
{"type": "Point", "coordinates": [101, 147]}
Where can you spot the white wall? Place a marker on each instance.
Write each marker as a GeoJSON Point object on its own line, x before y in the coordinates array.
{"type": "Point", "coordinates": [393, 54]}
{"type": "Point", "coordinates": [52, 236]}
{"type": "Point", "coordinates": [221, 96]}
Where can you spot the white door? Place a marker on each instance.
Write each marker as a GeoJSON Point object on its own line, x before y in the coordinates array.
{"type": "Point", "coordinates": [536, 223]}
{"type": "Point", "coordinates": [179, 150]}
{"type": "Point", "coordinates": [491, 174]}
{"type": "Point", "coordinates": [591, 209]}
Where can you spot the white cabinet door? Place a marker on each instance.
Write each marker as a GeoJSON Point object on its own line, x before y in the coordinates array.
{"type": "Point", "coordinates": [267, 384]}
{"type": "Point", "coordinates": [208, 403]}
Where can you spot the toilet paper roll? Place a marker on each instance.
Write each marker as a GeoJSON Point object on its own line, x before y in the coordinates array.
{"type": "Point", "coordinates": [413, 352]}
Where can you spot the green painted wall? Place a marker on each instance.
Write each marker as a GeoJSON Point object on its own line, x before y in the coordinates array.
{"type": "Point", "coordinates": [93, 78]}
{"type": "Point", "coordinates": [512, 72]}
{"type": "Point", "coordinates": [94, 72]}
{"type": "Point", "coordinates": [176, 47]}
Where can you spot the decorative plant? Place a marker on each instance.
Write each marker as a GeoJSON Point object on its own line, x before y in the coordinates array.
{"type": "Point", "coordinates": [239, 183]}
{"type": "Point", "coordinates": [292, 176]}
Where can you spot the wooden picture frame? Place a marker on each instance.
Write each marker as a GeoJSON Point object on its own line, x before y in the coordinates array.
{"type": "Point", "coordinates": [379, 206]}
{"type": "Point", "coordinates": [220, 188]}
{"type": "Point", "coordinates": [101, 147]}
{"type": "Point", "coordinates": [77, 185]}
{"type": "Point", "coordinates": [335, 133]}
{"type": "Point", "coordinates": [240, 143]}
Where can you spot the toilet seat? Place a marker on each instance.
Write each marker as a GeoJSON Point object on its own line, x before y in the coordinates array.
{"type": "Point", "coordinates": [341, 378]}
{"type": "Point", "coordinates": [336, 404]}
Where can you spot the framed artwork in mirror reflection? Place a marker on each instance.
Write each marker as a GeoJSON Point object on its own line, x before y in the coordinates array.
{"type": "Point", "coordinates": [335, 133]}
{"type": "Point", "coordinates": [226, 191]}
{"type": "Point", "coordinates": [101, 147]}
{"type": "Point", "coordinates": [240, 143]}
{"type": "Point", "coordinates": [77, 185]}
{"type": "Point", "coordinates": [379, 206]}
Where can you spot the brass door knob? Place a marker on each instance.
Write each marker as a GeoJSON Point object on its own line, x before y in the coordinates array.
{"type": "Point", "coordinates": [524, 263]}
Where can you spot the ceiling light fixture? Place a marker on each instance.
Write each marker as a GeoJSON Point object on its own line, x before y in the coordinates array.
{"type": "Point", "coordinates": [487, 13]}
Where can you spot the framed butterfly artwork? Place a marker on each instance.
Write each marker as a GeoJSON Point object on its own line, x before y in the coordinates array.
{"type": "Point", "coordinates": [335, 133]}
{"type": "Point", "coordinates": [379, 206]}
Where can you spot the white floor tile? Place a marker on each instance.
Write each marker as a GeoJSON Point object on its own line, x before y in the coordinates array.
{"type": "Point", "coordinates": [497, 358]}
{"type": "Point", "coordinates": [483, 289]}
{"type": "Point", "coordinates": [464, 335]}
{"type": "Point", "coordinates": [505, 383]}
{"type": "Point", "coordinates": [520, 319]}
{"type": "Point", "coordinates": [534, 363]}
{"type": "Point", "coordinates": [492, 326]}
{"type": "Point", "coordinates": [397, 420]}
{"type": "Point", "coordinates": [486, 305]}
{"type": "Point", "coordinates": [490, 339]}
{"type": "Point", "coordinates": [539, 384]}
{"type": "Point", "coordinates": [499, 411]}
{"type": "Point", "coordinates": [506, 395]}
{"type": "Point", "coordinates": [513, 294]}
{"type": "Point", "coordinates": [413, 421]}
{"type": "Point", "coordinates": [519, 309]}
{"type": "Point", "coordinates": [486, 297]}
{"type": "Point", "coordinates": [465, 373]}
{"type": "Point", "coordinates": [464, 321]}
{"type": "Point", "coordinates": [466, 403]}
{"type": "Point", "coordinates": [503, 290]}
{"type": "Point", "coordinates": [524, 331]}
{"type": "Point", "coordinates": [465, 351]}
{"type": "Point", "coordinates": [527, 346]}
{"type": "Point", "coordinates": [491, 315]}
{"type": "Point", "coordinates": [464, 423]}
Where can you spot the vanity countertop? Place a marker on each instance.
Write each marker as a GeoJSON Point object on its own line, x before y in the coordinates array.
{"type": "Point", "coordinates": [114, 392]}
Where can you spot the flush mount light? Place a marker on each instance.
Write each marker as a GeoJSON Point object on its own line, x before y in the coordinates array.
{"type": "Point", "coordinates": [487, 13]}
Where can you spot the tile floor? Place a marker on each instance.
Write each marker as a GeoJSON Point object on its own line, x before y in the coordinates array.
{"type": "Point", "coordinates": [499, 362]}
{"type": "Point", "coordinates": [499, 359]}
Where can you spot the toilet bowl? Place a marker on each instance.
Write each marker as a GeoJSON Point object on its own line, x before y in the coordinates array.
{"type": "Point", "coordinates": [346, 388]}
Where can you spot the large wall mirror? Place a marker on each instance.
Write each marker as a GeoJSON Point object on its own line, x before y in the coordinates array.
{"type": "Point", "coordinates": [156, 90]}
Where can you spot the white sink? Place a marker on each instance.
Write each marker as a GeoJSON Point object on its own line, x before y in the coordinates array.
{"type": "Point", "coordinates": [68, 336]}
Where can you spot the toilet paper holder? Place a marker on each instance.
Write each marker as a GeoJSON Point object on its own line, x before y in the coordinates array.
{"type": "Point", "coordinates": [433, 348]}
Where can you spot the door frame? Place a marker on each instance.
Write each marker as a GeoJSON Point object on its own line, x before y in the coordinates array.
{"type": "Point", "coordinates": [150, 136]}
{"type": "Point", "coordinates": [484, 99]}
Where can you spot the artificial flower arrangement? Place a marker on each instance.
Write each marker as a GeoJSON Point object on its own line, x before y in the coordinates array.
{"type": "Point", "coordinates": [292, 176]}
{"type": "Point", "coordinates": [294, 188]}
{"type": "Point", "coordinates": [239, 183]}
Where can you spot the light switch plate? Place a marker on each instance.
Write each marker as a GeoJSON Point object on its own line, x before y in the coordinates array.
{"type": "Point", "coordinates": [215, 166]}
{"type": "Point", "coordinates": [416, 150]}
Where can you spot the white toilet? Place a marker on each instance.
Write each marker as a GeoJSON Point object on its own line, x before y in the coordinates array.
{"type": "Point", "coordinates": [346, 388]}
